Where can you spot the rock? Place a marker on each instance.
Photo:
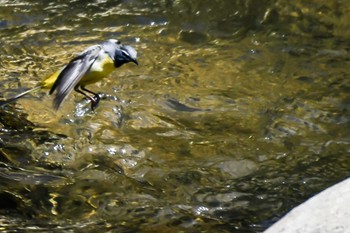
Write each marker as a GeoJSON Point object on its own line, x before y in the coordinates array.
{"type": "Point", "coordinates": [327, 212]}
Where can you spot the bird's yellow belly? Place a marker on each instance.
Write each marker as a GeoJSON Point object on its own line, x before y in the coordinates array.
{"type": "Point", "coordinates": [100, 69]}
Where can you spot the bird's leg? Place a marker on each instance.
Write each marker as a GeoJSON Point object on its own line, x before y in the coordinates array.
{"type": "Point", "coordinates": [97, 96]}
{"type": "Point", "coordinates": [94, 100]}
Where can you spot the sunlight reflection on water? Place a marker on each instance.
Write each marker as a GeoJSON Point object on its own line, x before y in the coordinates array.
{"type": "Point", "coordinates": [235, 115]}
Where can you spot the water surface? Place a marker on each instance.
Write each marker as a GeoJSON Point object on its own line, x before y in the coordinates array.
{"type": "Point", "coordinates": [238, 112]}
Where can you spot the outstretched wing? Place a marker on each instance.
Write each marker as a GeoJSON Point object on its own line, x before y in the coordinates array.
{"type": "Point", "coordinates": [72, 73]}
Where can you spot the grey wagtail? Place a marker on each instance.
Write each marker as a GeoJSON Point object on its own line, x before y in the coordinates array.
{"type": "Point", "coordinates": [90, 66]}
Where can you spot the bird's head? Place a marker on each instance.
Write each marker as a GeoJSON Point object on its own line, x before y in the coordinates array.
{"type": "Point", "coordinates": [120, 53]}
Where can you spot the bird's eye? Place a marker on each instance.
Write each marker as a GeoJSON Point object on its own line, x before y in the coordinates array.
{"type": "Point", "coordinates": [125, 53]}
{"type": "Point", "coordinates": [118, 42]}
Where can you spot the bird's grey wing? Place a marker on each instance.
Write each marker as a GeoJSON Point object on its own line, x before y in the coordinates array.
{"type": "Point", "coordinates": [72, 73]}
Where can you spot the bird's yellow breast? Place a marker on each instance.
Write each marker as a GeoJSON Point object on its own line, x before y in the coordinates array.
{"type": "Point", "coordinates": [101, 68]}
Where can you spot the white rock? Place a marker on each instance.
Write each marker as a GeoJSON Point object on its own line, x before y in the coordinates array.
{"type": "Point", "coordinates": [327, 212]}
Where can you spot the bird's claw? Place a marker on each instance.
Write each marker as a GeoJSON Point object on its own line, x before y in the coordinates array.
{"type": "Point", "coordinates": [95, 100]}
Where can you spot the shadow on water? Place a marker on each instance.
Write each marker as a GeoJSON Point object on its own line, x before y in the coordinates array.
{"type": "Point", "coordinates": [237, 113]}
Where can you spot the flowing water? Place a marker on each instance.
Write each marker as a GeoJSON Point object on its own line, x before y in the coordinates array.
{"type": "Point", "coordinates": [238, 111]}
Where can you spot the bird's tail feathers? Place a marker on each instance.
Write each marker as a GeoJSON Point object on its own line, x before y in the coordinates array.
{"type": "Point", "coordinates": [5, 102]}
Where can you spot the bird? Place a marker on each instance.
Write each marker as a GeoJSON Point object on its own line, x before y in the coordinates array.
{"type": "Point", "coordinates": [90, 66]}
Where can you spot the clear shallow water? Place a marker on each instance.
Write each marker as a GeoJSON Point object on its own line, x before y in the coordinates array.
{"type": "Point", "coordinates": [236, 114]}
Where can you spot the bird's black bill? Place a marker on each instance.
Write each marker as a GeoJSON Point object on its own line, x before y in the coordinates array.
{"type": "Point", "coordinates": [135, 61]}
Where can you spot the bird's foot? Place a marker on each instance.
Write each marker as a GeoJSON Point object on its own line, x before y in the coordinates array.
{"type": "Point", "coordinates": [95, 100]}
